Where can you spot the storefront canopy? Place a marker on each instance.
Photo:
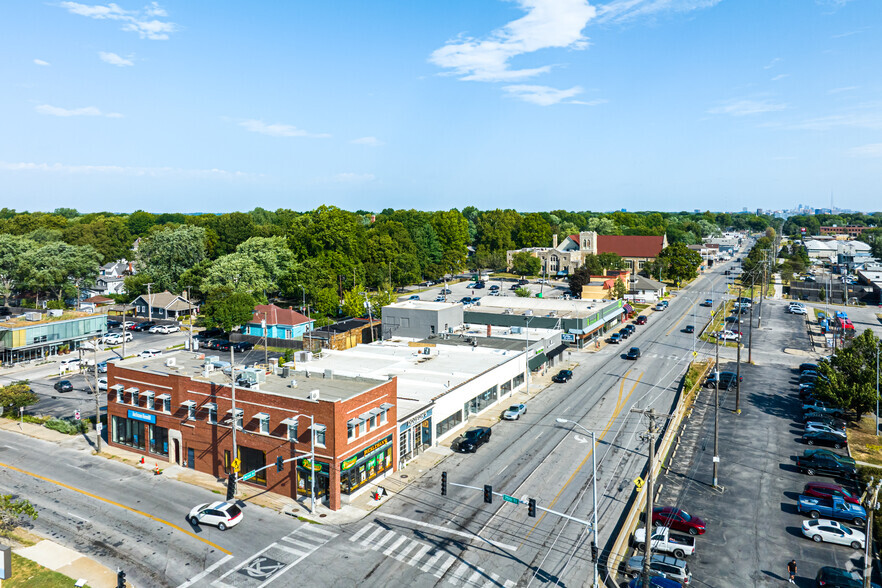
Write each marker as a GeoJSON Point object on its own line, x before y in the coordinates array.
{"type": "Point", "coordinates": [537, 360]}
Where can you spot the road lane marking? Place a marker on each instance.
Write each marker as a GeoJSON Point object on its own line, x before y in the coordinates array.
{"type": "Point", "coordinates": [391, 549]}
{"type": "Point", "coordinates": [206, 571]}
{"type": "Point", "coordinates": [78, 517]}
{"type": "Point", "coordinates": [122, 506]}
{"type": "Point", "coordinates": [360, 532]}
{"type": "Point", "coordinates": [446, 530]}
{"type": "Point", "coordinates": [619, 407]}
{"type": "Point", "coordinates": [685, 314]}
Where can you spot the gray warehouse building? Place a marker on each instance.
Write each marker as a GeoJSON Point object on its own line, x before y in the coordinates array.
{"type": "Point", "coordinates": [420, 319]}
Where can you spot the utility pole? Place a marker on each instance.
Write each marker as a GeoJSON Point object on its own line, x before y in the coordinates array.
{"type": "Point", "coordinates": [149, 302]}
{"type": "Point", "coordinates": [97, 392]}
{"type": "Point", "coordinates": [190, 317]}
{"type": "Point", "coordinates": [265, 341]}
{"type": "Point", "coordinates": [750, 333]}
{"type": "Point", "coordinates": [717, 411]}
{"type": "Point", "coordinates": [870, 505]}
{"type": "Point", "coordinates": [234, 475]}
{"type": "Point", "coordinates": [651, 432]}
{"type": "Point", "coordinates": [738, 360]}
{"type": "Point", "coordinates": [759, 323]}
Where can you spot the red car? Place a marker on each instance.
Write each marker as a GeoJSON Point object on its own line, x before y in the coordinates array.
{"type": "Point", "coordinates": [827, 490]}
{"type": "Point", "coordinates": [641, 320]}
{"type": "Point", "coordinates": [677, 519]}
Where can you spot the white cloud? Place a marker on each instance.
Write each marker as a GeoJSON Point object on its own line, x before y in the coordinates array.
{"type": "Point", "coordinates": [138, 21]}
{"type": "Point", "coordinates": [278, 130]}
{"type": "Point", "coordinates": [772, 63]}
{"type": "Point", "coordinates": [41, 62]}
{"type": "Point", "coordinates": [780, 77]}
{"type": "Point", "coordinates": [349, 177]}
{"type": "Point", "coordinates": [85, 111]}
{"type": "Point", "coordinates": [114, 59]}
{"type": "Point", "coordinates": [62, 168]}
{"type": "Point", "coordinates": [369, 141]}
{"type": "Point", "coordinates": [872, 150]}
{"type": "Point", "coordinates": [860, 120]}
{"type": "Point", "coordinates": [747, 107]}
{"type": "Point", "coordinates": [547, 24]}
{"type": "Point", "coordinates": [625, 10]}
{"type": "Point", "coordinates": [843, 89]}
{"type": "Point", "coordinates": [542, 95]}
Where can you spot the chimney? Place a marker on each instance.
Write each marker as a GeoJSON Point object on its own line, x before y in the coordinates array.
{"type": "Point", "coordinates": [554, 241]}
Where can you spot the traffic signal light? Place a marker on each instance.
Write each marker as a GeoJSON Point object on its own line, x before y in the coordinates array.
{"type": "Point", "coordinates": [531, 507]}
{"type": "Point", "coordinates": [443, 483]}
{"type": "Point", "coordinates": [120, 579]}
{"type": "Point", "coordinates": [593, 551]}
{"type": "Point", "coordinates": [280, 464]}
{"type": "Point", "coordinates": [488, 493]}
{"type": "Point", "coordinates": [231, 486]}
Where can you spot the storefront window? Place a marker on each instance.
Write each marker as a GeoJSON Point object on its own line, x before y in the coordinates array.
{"type": "Point", "coordinates": [158, 440]}
{"type": "Point", "coordinates": [482, 401]}
{"type": "Point", "coordinates": [447, 424]}
{"type": "Point", "coordinates": [366, 465]}
{"type": "Point", "coordinates": [506, 387]}
{"type": "Point", "coordinates": [128, 432]}
{"type": "Point", "coordinates": [517, 381]}
{"type": "Point", "coordinates": [253, 459]}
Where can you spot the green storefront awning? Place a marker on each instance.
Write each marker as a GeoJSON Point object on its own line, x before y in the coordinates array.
{"type": "Point", "coordinates": [537, 360]}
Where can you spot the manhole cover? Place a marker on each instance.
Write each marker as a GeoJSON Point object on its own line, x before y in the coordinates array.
{"type": "Point", "coordinates": [321, 516]}
{"type": "Point", "coordinates": [403, 475]}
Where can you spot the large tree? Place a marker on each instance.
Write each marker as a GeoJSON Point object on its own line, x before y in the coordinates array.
{"type": "Point", "coordinates": [228, 308]}
{"type": "Point", "coordinates": [533, 231]}
{"type": "Point", "coordinates": [524, 264]}
{"type": "Point", "coordinates": [849, 378]}
{"type": "Point", "coordinates": [238, 272]}
{"type": "Point", "coordinates": [58, 267]}
{"type": "Point", "coordinates": [676, 263]}
{"type": "Point", "coordinates": [12, 251]}
{"type": "Point", "coordinates": [166, 254]}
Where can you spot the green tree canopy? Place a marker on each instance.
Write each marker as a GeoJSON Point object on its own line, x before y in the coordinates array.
{"type": "Point", "coordinates": [15, 396]}
{"type": "Point", "coordinates": [676, 263]}
{"type": "Point", "coordinates": [227, 308]}
{"type": "Point", "coordinates": [237, 272]}
{"type": "Point", "coordinates": [56, 267]}
{"type": "Point", "coordinates": [165, 255]}
{"type": "Point", "coordinates": [849, 378]}
{"type": "Point", "coordinates": [524, 264]}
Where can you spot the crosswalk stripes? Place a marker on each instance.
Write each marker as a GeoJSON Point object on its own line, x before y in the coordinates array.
{"type": "Point", "coordinates": [426, 558]}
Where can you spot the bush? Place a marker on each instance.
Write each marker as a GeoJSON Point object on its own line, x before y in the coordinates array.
{"type": "Point", "coordinates": [66, 427]}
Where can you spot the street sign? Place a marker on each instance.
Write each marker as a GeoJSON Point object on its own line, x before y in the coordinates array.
{"type": "Point", "coordinates": [237, 463]}
{"type": "Point", "coordinates": [638, 481]}
{"type": "Point", "coordinates": [77, 415]}
{"type": "Point", "coordinates": [99, 427]}
{"type": "Point", "coordinates": [248, 476]}
{"type": "Point", "coordinates": [511, 499]}
{"type": "Point", "coordinates": [694, 354]}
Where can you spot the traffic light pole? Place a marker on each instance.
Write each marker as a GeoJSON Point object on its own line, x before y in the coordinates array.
{"type": "Point", "coordinates": [738, 360]}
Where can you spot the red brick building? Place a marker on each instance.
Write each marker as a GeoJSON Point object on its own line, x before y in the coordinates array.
{"type": "Point", "coordinates": [178, 408]}
{"type": "Point", "coordinates": [850, 230]}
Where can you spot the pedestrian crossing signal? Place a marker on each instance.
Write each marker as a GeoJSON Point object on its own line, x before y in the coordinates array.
{"type": "Point", "coordinates": [639, 483]}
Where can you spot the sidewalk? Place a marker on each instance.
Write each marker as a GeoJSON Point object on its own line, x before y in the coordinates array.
{"type": "Point", "coordinates": [71, 563]}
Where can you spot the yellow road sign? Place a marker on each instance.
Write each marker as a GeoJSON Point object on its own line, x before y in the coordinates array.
{"type": "Point", "coordinates": [694, 354]}
{"type": "Point", "coordinates": [638, 481]}
{"type": "Point", "coordinates": [237, 463]}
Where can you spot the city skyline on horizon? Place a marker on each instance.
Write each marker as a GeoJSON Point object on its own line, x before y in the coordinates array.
{"type": "Point", "coordinates": [176, 107]}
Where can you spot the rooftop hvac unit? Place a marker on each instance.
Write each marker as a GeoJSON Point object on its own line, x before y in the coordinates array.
{"type": "Point", "coordinates": [508, 311]}
{"type": "Point", "coordinates": [313, 394]}
{"type": "Point", "coordinates": [329, 374]}
{"type": "Point", "coordinates": [170, 362]}
{"type": "Point", "coordinates": [33, 316]}
{"type": "Point", "coordinates": [286, 372]}
{"type": "Point", "coordinates": [528, 312]}
{"type": "Point", "coordinates": [55, 312]}
{"type": "Point", "coordinates": [516, 330]}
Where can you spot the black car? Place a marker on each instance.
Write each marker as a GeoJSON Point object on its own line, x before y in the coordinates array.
{"type": "Point", "coordinates": [562, 376]}
{"type": "Point", "coordinates": [727, 380]}
{"type": "Point", "coordinates": [143, 326]}
{"type": "Point", "coordinates": [240, 346]}
{"type": "Point", "coordinates": [222, 345]}
{"type": "Point", "coordinates": [112, 324]}
{"type": "Point", "coordinates": [523, 282]}
{"type": "Point", "coordinates": [806, 367]}
{"type": "Point", "coordinates": [514, 287]}
{"type": "Point", "coordinates": [821, 463]}
{"type": "Point", "coordinates": [834, 440]}
{"type": "Point", "coordinates": [830, 577]}
{"type": "Point", "coordinates": [479, 285]}
{"type": "Point", "coordinates": [63, 386]}
{"type": "Point", "coordinates": [630, 328]}
{"type": "Point", "coordinates": [625, 333]}
{"type": "Point", "coordinates": [633, 353]}
{"type": "Point", "coordinates": [689, 329]}
{"type": "Point", "coordinates": [473, 439]}
{"type": "Point", "coordinates": [210, 334]}
{"type": "Point", "coordinates": [494, 287]}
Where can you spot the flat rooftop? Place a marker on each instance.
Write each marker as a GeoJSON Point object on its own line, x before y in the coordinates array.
{"type": "Point", "coordinates": [18, 321]}
{"type": "Point", "coordinates": [421, 377]}
{"type": "Point", "coordinates": [190, 364]}
{"type": "Point", "coordinates": [422, 304]}
{"type": "Point", "coordinates": [506, 338]}
{"type": "Point", "coordinates": [541, 306]}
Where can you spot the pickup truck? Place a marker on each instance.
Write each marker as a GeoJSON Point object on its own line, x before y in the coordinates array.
{"type": "Point", "coordinates": [819, 462]}
{"type": "Point", "coordinates": [821, 407]}
{"type": "Point", "coordinates": [663, 539]}
{"type": "Point", "coordinates": [832, 508]}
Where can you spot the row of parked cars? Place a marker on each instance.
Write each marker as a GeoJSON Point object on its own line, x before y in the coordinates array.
{"type": "Point", "coordinates": [672, 540]}
{"type": "Point", "coordinates": [834, 508]}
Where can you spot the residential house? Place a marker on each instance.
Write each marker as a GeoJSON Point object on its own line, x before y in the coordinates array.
{"type": "Point", "coordinates": [281, 323]}
{"type": "Point", "coordinates": [111, 277]}
{"type": "Point", "coordinates": [93, 303]}
{"type": "Point", "coordinates": [603, 287]}
{"type": "Point", "coordinates": [643, 290]}
{"type": "Point", "coordinates": [163, 305]}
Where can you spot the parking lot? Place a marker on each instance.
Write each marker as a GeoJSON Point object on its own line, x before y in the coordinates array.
{"type": "Point", "coordinates": [459, 290]}
{"type": "Point", "coordinates": [753, 526]}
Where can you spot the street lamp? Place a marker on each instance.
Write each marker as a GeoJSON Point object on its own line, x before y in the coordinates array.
{"type": "Point", "coordinates": [593, 486]}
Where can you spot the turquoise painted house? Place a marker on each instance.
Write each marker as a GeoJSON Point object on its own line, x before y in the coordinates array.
{"type": "Point", "coordinates": [281, 323]}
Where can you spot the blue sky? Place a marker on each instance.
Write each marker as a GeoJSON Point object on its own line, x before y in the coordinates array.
{"type": "Point", "coordinates": [526, 104]}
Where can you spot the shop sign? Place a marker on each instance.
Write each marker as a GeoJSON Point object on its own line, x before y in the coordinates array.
{"type": "Point", "coordinates": [375, 447]}
{"type": "Point", "coordinates": [567, 337]}
{"type": "Point", "coordinates": [314, 466]}
{"type": "Point", "coordinates": [144, 417]}
{"type": "Point", "coordinates": [412, 422]}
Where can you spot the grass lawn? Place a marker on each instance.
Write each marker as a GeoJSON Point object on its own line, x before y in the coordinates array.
{"type": "Point", "coordinates": [640, 307]}
{"type": "Point", "coordinates": [865, 446]}
{"type": "Point", "coordinates": [26, 573]}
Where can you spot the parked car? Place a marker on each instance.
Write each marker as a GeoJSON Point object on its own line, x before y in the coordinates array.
{"type": "Point", "coordinates": [102, 367]}
{"type": "Point", "coordinates": [472, 439]}
{"type": "Point", "coordinates": [633, 353]}
{"type": "Point", "coordinates": [615, 338]}
{"type": "Point", "coordinates": [631, 329]}
{"type": "Point", "coordinates": [641, 320]}
{"type": "Point", "coordinates": [821, 407]}
{"type": "Point", "coordinates": [413, 297]}
{"type": "Point", "coordinates": [827, 490]}
{"type": "Point", "coordinates": [833, 508]}
{"type": "Point", "coordinates": [63, 386]}
{"type": "Point", "coordinates": [678, 519]}
{"type": "Point", "coordinates": [494, 287]}
{"type": "Point", "coordinates": [210, 334]}
{"type": "Point", "coordinates": [562, 376]}
{"type": "Point", "coordinates": [440, 298]}
{"type": "Point", "coordinates": [222, 515]}
{"type": "Point", "coordinates": [148, 353]}
{"type": "Point", "coordinates": [835, 440]}
{"type": "Point", "coordinates": [143, 326]}
{"type": "Point", "coordinates": [112, 324]}
{"type": "Point", "coordinates": [797, 310]}
{"type": "Point", "coordinates": [727, 380]}
{"type": "Point", "coordinates": [625, 333]}
{"type": "Point", "coordinates": [659, 306]}
{"type": "Point", "coordinates": [514, 412]}
{"type": "Point", "coordinates": [728, 336]}
{"type": "Point", "coordinates": [102, 384]}
{"type": "Point", "coordinates": [240, 346]}
{"type": "Point", "coordinates": [165, 329]}
{"type": "Point", "coordinates": [466, 300]}
{"type": "Point", "coordinates": [665, 540]}
{"type": "Point", "coordinates": [514, 287]}
{"type": "Point", "coordinates": [827, 420]}
{"type": "Point", "coordinates": [448, 291]}
{"type": "Point", "coordinates": [815, 463]}
{"type": "Point", "coordinates": [689, 329]}
{"type": "Point", "coordinates": [523, 282]}
{"type": "Point", "coordinates": [670, 567]}
{"type": "Point", "coordinates": [844, 459]}
{"type": "Point", "coordinates": [824, 427]}
{"type": "Point", "coordinates": [830, 577]}
{"type": "Point", "coordinates": [827, 531]}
